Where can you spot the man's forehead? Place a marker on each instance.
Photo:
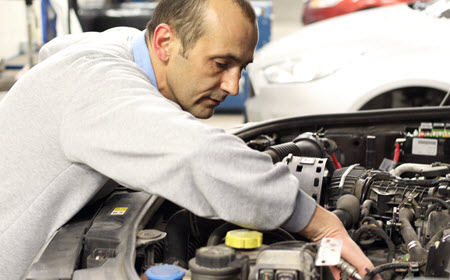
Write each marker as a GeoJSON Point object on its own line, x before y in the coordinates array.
{"type": "Point", "coordinates": [233, 27]}
{"type": "Point", "coordinates": [229, 33]}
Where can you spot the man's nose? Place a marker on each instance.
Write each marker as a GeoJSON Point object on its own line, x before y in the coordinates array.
{"type": "Point", "coordinates": [230, 82]}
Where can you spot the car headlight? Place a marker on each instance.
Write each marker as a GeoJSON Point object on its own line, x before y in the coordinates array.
{"type": "Point", "coordinates": [318, 4]}
{"type": "Point", "coordinates": [298, 71]}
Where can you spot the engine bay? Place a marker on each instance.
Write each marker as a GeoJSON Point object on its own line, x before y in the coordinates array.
{"type": "Point", "coordinates": [388, 184]}
{"type": "Point", "coordinates": [385, 175]}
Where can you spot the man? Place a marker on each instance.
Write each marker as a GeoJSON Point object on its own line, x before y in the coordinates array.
{"type": "Point", "coordinates": [121, 104]}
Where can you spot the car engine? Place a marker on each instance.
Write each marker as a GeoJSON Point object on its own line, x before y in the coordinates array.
{"type": "Point", "coordinates": [384, 174]}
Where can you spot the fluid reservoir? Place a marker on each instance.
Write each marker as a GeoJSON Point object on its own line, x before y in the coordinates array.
{"type": "Point", "coordinates": [246, 243]}
{"type": "Point", "coordinates": [219, 263]}
{"type": "Point", "coordinates": [165, 272]}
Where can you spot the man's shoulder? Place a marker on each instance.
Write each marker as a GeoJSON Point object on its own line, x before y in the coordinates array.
{"type": "Point", "coordinates": [114, 42]}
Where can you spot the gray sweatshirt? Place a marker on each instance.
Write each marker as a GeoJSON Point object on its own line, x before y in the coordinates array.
{"type": "Point", "coordinates": [86, 113]}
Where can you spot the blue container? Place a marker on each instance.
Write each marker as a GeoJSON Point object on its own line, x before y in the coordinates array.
{"type": "Point", "coordinates": [165, 272]}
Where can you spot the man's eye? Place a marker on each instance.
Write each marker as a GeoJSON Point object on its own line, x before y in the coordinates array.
{"type": "Point", "coordinates": [221, 65]}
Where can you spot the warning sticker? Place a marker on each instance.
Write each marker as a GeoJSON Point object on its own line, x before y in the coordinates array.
{"type": "Point", "coordinates": [119, 211]}
{"type": "Point", "coordinates": [425, 147]}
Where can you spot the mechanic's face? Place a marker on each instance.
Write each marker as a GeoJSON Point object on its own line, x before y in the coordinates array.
{"type": "Point", "coordinates": [213, 66]}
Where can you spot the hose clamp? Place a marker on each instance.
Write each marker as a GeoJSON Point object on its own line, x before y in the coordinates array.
{"type": "Point", "coordinates": [412, 244]}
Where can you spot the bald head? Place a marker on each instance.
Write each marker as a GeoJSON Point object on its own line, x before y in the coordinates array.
{"type": "Point", "coordinates": [188, 18]}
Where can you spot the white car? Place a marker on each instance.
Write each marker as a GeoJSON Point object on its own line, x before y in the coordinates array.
{"type": "Point", "coordinates": [394, 56]}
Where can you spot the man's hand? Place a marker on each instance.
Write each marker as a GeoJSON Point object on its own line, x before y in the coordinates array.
{"type": "Point", "coordinates": [325, 224]}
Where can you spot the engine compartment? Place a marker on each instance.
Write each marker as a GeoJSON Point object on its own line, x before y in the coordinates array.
{"type": "Point", "coordinates": [385, 174]}
{"type": "Point", "coordinates": [392, 195]}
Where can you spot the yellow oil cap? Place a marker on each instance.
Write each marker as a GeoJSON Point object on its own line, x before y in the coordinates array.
{"type": "Point", "coordinates": [243, 239]}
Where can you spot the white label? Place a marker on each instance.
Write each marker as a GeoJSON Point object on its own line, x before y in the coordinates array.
{"type": "Point", "coordinates": [329, 252]}
{"type": "Point", "coordinates": [307, 160]}
{"type": "Point", "coordinates": [425, 147]}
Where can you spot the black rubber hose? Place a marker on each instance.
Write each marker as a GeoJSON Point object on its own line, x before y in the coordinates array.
{"type": "Point", "coordinates": [279, 152]}
{"type": "Point", "coordinates": [344, 217]}
{"type": "Point", "coordinates": [384, 267]}
{"type": "Point", "coordinates": [350, 204]}
{"type": "Point", "coordinates": [415, 249]}
{"type": "Point", "coordinates": [366, 206]}
{"type": "Point", "coordinates": [219, 233]}
{"type": "Point", "coordinates": [431, 209]}
{"type": "Point", "coordinates": [381, 234]}
{"type": "Point", "coordinates": [178, 231]}
{"type": "Point", "coordinates": [438, 200]}
{"type": "Point", "coordinates": [306, 146]}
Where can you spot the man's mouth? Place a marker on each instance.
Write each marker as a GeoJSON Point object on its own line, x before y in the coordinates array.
{"type": "Point", "coordinates": [215, 102]}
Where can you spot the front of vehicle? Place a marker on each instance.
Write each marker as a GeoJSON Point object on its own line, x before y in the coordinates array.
{"type": "Point", "coordinates": [385, 174]}
{"type": "Point", "coordinates": [341, 64]}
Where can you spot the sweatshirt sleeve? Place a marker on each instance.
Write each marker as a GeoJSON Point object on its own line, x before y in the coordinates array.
{"type": "Point", "coordinates": [120, 126]}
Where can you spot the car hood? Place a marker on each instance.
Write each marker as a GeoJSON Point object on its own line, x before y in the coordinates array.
{"type": "Point", "coordinates": [375, 30]}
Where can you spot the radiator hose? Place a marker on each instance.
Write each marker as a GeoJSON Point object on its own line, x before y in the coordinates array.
{"type": "Point", "coordinates": [415, 249]}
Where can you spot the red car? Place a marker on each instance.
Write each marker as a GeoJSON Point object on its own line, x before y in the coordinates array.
{"type": "Point", "coordinates": [315, 10]}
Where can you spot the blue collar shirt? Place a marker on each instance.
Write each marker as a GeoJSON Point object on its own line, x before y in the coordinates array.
{"type": "Point", "coordinates": [142, 57]}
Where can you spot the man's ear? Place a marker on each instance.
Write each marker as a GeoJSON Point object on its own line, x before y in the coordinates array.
{"type": "Point", "coordinates": [162, 39]}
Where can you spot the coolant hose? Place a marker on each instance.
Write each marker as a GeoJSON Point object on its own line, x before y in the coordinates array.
{"type": "Point", "coordinates": [381, 234]}
{"type": "Point", "coordinates": [423, 169]}
{"type": "Point", "coordinates": [415, 249]}
{"type": "Point", "coordinates": [408, 167]}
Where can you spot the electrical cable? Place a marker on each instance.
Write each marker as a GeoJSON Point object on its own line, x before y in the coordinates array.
{"type": "Point", "coordinates": [370, 220]}
{"type": "Point", "coordinates": [335, 161]}
{"type": "Point", "coordinates": [381, 234]}
{"type": "Point", "coordinates": [397, 152]}
{"type": "Point", "coordinates": [384, 267]}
